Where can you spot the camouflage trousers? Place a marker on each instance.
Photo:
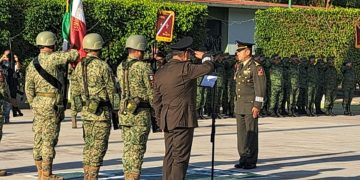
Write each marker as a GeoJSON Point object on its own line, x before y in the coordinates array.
{"type": "Point", "coordinates": [330, 96]}
{"type": "Point", "coordinates": [276, 94]}
{"type": "Point", "coordinates": [348, 95]}
{"type": "Point", "coordinates": [46, 128]}
{"type": "Point", "coordinates": [135, 138]}
{"type": "Point", "coordinates": [311, 97]}
{"type": "Point", "coordinates": [96, 137]}
{"type": "Point", "coordinates": [6, 106]}
{"type": "Point", "coordinates": [294, 93]}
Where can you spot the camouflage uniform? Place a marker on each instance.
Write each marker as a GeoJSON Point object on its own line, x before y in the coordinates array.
{"type": "Point", "coordinates": [294, 79]}
{"type": "Point", "coordinates": [43, 97]}
{"type": "Point", "coordinates": [277, 85]}
{"type": "Point", "coordinates": [72, 101]}
{"type": "Point", "coordinates": [266, 63]}
{"type": "Point", "coordinates": [303, 86]}
{"type": "Point", "coordinates": [312, 73]}
{"type": "Point", "coordinates": [348, 87]}
{"type": "Point", "coordinates": [4, 98]}
{"type": "Point", "coordinates": [96, 126]}
{"type": "Point", "coordinates": [285, 102]}
{"type": "Point", "coordinates": [228, 86]}
{"type": "Point", "coordinates": [320, 86]}
{"type": "Point", "coordinates": [330, 88]}
{"type": "Point", "coordinates": [135, 127]}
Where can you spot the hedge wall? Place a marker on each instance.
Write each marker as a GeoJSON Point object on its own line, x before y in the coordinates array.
{"type": "Point", "coordinates": [115, 20]}
{"type": "Point", "coordinates": [308, 32]}
{"type": "Point", "coordinates": [4, 21]}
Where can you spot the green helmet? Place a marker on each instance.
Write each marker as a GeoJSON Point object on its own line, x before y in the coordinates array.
{"type": "Point", "coordinates": [93, 41]}
{"type": "Point", "coordinates": [137, 42]}
{"type": "Point", "coordinates": [45, 38]}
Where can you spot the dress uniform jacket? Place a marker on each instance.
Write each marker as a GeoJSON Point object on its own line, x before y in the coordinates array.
{"type": "Point", "coordinates": [250, 87]}
{"type": "Point", "coordinates": [175, 93]}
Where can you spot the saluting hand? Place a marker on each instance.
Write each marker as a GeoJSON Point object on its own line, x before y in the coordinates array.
{"type": "Point", "coordinates": [199, 54]}
{"type": "Point", "coordinates": [255, 112]}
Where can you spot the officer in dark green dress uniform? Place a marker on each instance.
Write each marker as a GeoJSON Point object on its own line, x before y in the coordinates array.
{"type": "Point", "coordinates": [250, 92]}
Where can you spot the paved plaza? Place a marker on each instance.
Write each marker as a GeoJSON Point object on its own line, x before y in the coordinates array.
{"type": "Point", "coordinates": [290, 148]}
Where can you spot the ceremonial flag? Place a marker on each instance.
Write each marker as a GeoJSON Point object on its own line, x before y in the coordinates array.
{"type": "Point", "coordinates": [74, 25]}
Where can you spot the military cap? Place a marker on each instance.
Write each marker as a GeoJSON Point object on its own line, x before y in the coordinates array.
{"type": "Point", "coordinates": [243, 45]}
{"type": "Point", "coordinates": [182, 44]}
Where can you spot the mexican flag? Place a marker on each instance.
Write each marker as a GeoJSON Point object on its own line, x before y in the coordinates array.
{"type": "Point", "coordinates": [74, 26]}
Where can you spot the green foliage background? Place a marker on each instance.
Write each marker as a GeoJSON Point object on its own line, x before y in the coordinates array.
{"type": "Point", "coordinates": [115, 20]}
{"type": "Point", "coordinates": [4, 21]}
{"type": "Point", "coordinates": [306, 32]}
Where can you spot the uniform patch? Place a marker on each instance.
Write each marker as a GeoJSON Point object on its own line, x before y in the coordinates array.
{"type": "Point", "coordinates": [261, 71]}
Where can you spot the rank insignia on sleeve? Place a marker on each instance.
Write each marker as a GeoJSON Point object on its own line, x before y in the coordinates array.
{"type": "Point", "coordinates": [260, 71]}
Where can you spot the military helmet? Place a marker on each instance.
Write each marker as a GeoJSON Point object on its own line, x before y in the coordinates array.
{"type": "Point", "coordinates": [45, 38]}
{"type": "Point", "coordinates": [137, 42]}
{"type": "Point", "coordinates": [93, 41]}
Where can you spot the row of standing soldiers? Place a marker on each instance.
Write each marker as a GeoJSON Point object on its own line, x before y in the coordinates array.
{"type": "Point", "coordinates": [294, 86]}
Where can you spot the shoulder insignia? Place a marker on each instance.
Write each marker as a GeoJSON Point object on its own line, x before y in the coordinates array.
{"type": "Point", "coordinates": [257, 64]}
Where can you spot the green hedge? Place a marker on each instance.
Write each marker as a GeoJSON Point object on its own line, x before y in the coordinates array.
{"type": "Point", "coordinates": [308, 32]}
{"type": "Point", "coordinates": [115, 20]}
{"type": "Point", "coordinates": [4, 22]}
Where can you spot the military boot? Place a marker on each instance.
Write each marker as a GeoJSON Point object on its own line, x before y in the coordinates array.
{"type": "Point", "coordinates": [332, 112]}
{"type": "Point", "coordinates": [292, 112]}
{"type": "Point", "coordinates": [47, 172]}
{"type": "Point", "coordinates": [201, 113]}
{"type": "Point", "coordinates": [86, 172]}
{"type": "Point", "coordinates": [3, 172]}
{"type": "Point", "coordinates": [74, 122]}
{"type": "Point", "coordinates": [19, 111]}
{"type": "Point", "coordinates": [93, 172]}
{"type": "Point", "coordinates": [327, 112]}
{"type": "Point", "coordinates": [133, 176]}
{"type": "Point", "coordinates": [38, 165]}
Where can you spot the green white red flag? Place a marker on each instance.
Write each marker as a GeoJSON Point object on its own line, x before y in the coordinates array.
{"type": "Point", "coordinates": [74, 26]}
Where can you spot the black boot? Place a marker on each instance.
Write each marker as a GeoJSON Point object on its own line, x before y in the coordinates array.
{"type": "Point", "coordinates": [19, 112]}
{"type": "Point", "coordinates": [14, 111]}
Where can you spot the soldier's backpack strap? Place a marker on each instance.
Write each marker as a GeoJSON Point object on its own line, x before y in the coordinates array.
{"type": "Point", "coordinates": [44, 74]}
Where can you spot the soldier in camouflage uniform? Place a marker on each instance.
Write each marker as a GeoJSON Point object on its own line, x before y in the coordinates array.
{"type": "Point", "coordinates": [135, 78]}
{"type": "Point", "coordinates": [312, 80]}
{"type": "Point", "coordinates": [228, 86]}
{"type": "Point", "coordinates": [303, 86]}
{"type": "Point", "coordinates": [72, 100]}
{"type": "Point", "coordinates": [348, 86]}
{"type": "Point", "coordinates": [266, 64]}
{"type": "Point", "coordinates": [320, 89]}
{"type": "Point", "coordinates": [4, 97]}
{"type": "Point", "coordinates": [294, 79]}
{"type": "Point", "coordinates": [44, 100]}
{"type": "Point", "coordinates": [95, 87]}
{"type": "Point", "coordinates": [330, 86]}
{"type": "Point", "coordinates": [285, 102]}
{"type": "Point", "coordinates": [277, 85]}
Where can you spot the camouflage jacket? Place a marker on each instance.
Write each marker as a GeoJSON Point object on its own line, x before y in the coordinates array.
{"type": "Point", "coordinates": [100, 86]}
{"type": "Point", "coordinates": [331, 77]}
{"type": "Point", "coordinates": [276, 75]}
{"type": "Point", "coordinates": [52, 63]}
{"type": "Point", "coordinates": [349, 78]}
{"type": "Point", "coordinates": [139, 76]}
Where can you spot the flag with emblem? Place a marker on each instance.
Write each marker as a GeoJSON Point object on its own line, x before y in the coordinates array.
{"type": "Point", "coordinates": [74, 26]}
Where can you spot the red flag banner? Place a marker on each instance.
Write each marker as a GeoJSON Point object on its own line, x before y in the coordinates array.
{"type": "Point", "coordinates": [357, 35]}
{"type": "Point", "coordinates": [77, 26]}
{"type": "Point", "coordinates": [165, 26]}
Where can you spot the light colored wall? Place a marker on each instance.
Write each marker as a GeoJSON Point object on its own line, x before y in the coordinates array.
{"type": "Point", "coordinates": [221, 13]}
{"type": "Point", "coordinates": [239, 28]}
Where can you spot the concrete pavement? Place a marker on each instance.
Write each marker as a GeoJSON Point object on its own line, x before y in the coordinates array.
{"type": "Point", "coordinates": [290, 148]}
